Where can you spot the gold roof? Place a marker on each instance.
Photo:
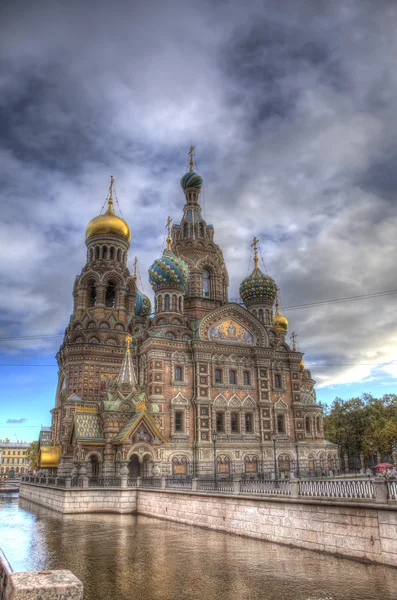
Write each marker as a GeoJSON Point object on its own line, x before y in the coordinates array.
{"type": "Point", "coordinates": [280, 322]}
{"type": "Point", "coordinates": [49, 456]}
{"type": "Point", "coordinates": [108, 223]}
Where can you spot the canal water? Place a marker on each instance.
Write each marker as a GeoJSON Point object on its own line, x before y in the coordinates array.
{"type": "Point", "coordinates": [120, 557]}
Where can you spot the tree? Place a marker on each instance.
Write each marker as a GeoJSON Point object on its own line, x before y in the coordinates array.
{"type": "Point", "coordinates": [32, 455]}
{"type": "Point", "coordinates": [363, 425]}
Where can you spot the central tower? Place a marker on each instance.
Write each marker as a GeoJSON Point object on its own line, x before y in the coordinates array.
{"type": "Point", "coordinates": [193, 241]}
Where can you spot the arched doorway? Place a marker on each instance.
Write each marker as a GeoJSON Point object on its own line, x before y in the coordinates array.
{"type": "Point", "coordinates": [134, 467]}
{"type": "Point", "coordinates": [94, 466]}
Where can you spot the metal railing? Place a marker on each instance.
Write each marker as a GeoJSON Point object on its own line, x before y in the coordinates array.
{"type": "Point", "coordinates": [104, 482]}
{"type": "Point", "coordinates": [215, 485]}
{"type": "Point", "coordinates": [269, 486]}
{"type": "Point", "coordinates": [185, 484]}
{"type": "Point", "coordinates": [341, 488]}
{"type": "Point", "coordinates": [392, 490]}
{"type": "Point", "coordinates": [76, 482]}
{"type": "Point", "coordinates": [154, 482]}
{"type": "Point", "coordinates": [131, 482]}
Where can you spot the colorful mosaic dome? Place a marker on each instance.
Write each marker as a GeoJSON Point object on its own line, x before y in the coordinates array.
{"type": "Point", "coordinates": [257, 288]}
{"type": "Point", "coordinates": [169, 269]}
{"type": "Point", "coordinates": [192, 180]}
{"type": "Point", "coordinates": [143, 306]}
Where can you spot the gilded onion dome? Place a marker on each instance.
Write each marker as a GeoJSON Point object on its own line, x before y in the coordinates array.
{"type": "Point", "coordinates": [108, 223]}
{"type": "Point", "coordinates": [143, 306]}
{"type": "Point", "coordinates": [258, 287]}
{"type": "Point", "coordinates": [280, 322]}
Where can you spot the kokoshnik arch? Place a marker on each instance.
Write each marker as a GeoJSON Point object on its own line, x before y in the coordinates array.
{"type": "Point", "coordinates": [148, 389]}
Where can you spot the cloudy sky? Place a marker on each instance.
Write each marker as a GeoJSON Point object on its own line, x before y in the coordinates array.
{"type": "Point", "coordinates": [291, 106]}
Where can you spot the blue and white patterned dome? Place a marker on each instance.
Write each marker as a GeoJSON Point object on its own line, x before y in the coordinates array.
{"type": "Point", "coordinates": [169, 270]}
{"type": "Point", "coordinates": [258, 288]}
{"type": "Point", "coordinates": [192, 180]}
{"type": "Point", "coordinates": [143, 306]}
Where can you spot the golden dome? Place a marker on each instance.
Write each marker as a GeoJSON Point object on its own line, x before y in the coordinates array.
{"type": "Point", "coordinates": [302, 365]}
{"type": "Point", "coordinates": [280, 322]}
{"type": "Point", "coordinates": [108, 224]}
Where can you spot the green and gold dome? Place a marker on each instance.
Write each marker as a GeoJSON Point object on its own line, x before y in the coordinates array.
{"type": "Point", "coordinates": [258, 288]}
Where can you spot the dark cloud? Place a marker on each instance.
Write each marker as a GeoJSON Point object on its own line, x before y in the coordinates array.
{"type": "Point", "coordinates": [291, 108]}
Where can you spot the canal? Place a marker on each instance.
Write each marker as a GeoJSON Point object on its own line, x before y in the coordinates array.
{"type": "Point", "coordinates": [124, 557]}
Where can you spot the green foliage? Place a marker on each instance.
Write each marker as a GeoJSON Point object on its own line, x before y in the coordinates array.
{"type": "Point", "coordinates": [33, 455]}
{"type": "Point", "coordinates": [363, 425]}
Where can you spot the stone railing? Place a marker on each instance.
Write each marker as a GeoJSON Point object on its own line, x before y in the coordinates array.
{"type": "Point", "coordinates": [365, 490]}
{"type": "Point", "coordinates": [56, 585]}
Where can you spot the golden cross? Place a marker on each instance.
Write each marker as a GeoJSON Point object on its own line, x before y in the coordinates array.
{"type": "Point", "coordinates": [128, 340]}
{"type": "Point", "coordinates": [169, 238]}
{"type": "Point", "coordinates": [135, 266]}
{"type": "Point", "coordinates": [190, 153]}
{"type": "Point", "coordinates": [293, 338]}
{"type": "Point", "coordinates": [111, 186]}
{"type": "Point", "coordinates": [254, 245]}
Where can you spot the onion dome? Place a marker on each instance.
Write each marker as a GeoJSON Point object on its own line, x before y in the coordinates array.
{"type": "Point", "coordinates": [108, 223]}
{"type": "Point", "coordinates": [169, 270]}
{"type": "Point", "coordinates": [280, 322]}
{"type": "Point", "coordinates": [301, 365]}
{"type": "Point", "coordinates": [258, 288]}
{"type": "Point", "coordinates": [143, 306]}
{"type": "Point", "coordinates": [191, 180]}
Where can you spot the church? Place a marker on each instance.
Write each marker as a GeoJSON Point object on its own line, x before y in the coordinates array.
{"type": "Point", "coordinates": [194, 384]}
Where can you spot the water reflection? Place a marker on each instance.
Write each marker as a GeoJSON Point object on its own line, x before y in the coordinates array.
{"type": "Point", "coordinates": [126, 556]}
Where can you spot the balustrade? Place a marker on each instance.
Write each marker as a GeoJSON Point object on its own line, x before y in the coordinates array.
{"type": "Point", "coordinates": [340, 488]}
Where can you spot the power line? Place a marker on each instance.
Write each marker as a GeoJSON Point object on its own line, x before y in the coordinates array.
{"type": "Point", "coordinates": [292, 307]}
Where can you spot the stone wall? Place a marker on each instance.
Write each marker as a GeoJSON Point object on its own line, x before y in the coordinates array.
{"type": "Point", "coordinates": [340, 528]}
{"type": "Point", "coordinates": [81, 500]}
{"type": "Point", "coordinates": [363, 531]}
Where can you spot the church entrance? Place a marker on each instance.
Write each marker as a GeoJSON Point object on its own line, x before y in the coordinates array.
{"type": "Point", "coordinates": [134, 467]}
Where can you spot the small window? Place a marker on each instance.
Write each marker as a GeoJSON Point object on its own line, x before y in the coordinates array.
{"type": "Point", "coordinates": [167, 302]}
{"type": "Point", "coordinates": [280, 424]}
{"type": "Point", "coordinates": [232, 377]}
{"type": "Point", "coordinates": [185, 230]}
{"type": "Point", "coordinates": [220, 420]}
{"type": "Point", "coordinates": [261, 315]}
{"type": "Point", "coordinates": [178, 374]}
{"type": "Point", "coordinates": [234, 422]}
{"type": "Point", "coordinates": [248, 423]}
{"type": "Point", "coordinates": [307, 421]}
{"type": "Point", "coordinates": [206, 283]}
{"type": "Point", "coordinates": [178, 421]}
{"type": "Point", "coordinates": [218, 376]}
{"type": "Point", "coordinates": [246, 378]}
{"type": "Point", "coordinates": [110, 294]}
{"type": "Point", "coordinates": [277, 381]}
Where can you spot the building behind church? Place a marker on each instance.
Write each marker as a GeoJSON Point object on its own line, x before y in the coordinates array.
{"type": "Point", "coordinates": [151, 391]}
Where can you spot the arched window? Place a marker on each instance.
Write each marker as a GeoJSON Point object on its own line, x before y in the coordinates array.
{"type": "Point", "coordinates": [218, 376]}
{"type": "Point", "coordinates": [166, 302]}
{"type": "Point", "coordinates": [105, 253]}
{"type": "Point", "coordinates": [232, 377]}
{"type": "Point", "coordinates": [180, 303]}
{"type": "Point", "coordinates": [201, 230]}
{"type": "Point", "coordinates": [97, 252]}
{"type": "Point", "coordinates": [280, 424]}
{"type": "Point", "coordinates": [178, 374]}
{"type": "Point", "coordinates": [111, 252]}
{"type": "Point", "coordinates": [206, 283]}
{"type": "Point", "coordinates": [91, 294]}
{"type": "Point", "coordinates": [110, 297]}
{"type": "Point", "coordinates": [246, 376]}
{"type": "Point", "coordinates": [307, 423]}
{"type": "Point", "coordinates": [261, 315]}
{"type": "Point", "coordinates": [186, 230]}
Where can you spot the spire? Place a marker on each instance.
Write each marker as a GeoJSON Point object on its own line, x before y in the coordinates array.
{"type": "Point", "coordinates": [293, 339]}
{"type": "Point", "coordinates": [135, 276]}
{"type": "Point", "coordinates": [254, 245]}
{"type": "Point", "coordinates": [169, 238]}
{"type": "Point", "coordinates": [110, 210]}
{"type": "Point", "coordinates": [191, 159]}
{"type": "Point", "coordinates": [127, 371]}
{"type": "Point", "coordinates": [280, 322]}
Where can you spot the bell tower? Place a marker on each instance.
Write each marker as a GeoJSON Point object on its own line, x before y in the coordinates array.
{"type": "Point", "coordinates": [193, 241]}
{"type": "Point", "coordinates": [104, 297]}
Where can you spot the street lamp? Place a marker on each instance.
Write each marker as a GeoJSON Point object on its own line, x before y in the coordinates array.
{"type": "Point", "coordinates": [215, 470]}
{"type": "Point", "coordinates": [276, 484]}
{"type": "Point", "coordinates": [297, 460]}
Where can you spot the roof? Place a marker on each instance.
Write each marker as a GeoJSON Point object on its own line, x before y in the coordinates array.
{"type": "Point", "coordinates": [139, 417]}
{"type": "Point", "coordinates": [87, 428]}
